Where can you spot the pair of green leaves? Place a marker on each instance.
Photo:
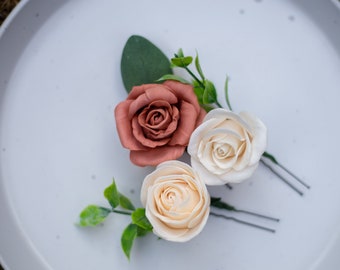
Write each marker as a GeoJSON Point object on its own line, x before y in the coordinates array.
{"type": "Point", "coordinates": [94, 215]}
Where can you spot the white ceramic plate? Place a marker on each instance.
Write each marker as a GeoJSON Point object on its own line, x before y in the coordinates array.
{"type": "Point", "coordinates": [60, 81]}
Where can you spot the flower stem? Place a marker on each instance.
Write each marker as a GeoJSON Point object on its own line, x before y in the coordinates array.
{"type": "Point", "coordinates": [257, 215]}
{"type": "Point", "coordinates": [243, 222]}
{"type": "Point", "coordinates": [195, 77]}
{"type": "Point", "coordinates": [282, 178]}
{"type": "Point", "coordinates": [121, 212]}
{"type": "Point", "coordinates": [218, 203]}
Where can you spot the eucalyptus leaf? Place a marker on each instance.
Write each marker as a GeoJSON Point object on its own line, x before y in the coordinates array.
{"type": "Point", "coordinates": [139, 218]}
{"type": "Point", "coordinates": [112, 195]}
{"type": "Point", "coordinates": [125, 202]}
{"type": "Point", "coordinates": [93, 215]}
{"type": "Point", "coordinates": [174, 78]}
{"type": "Point", "coordinates": [142, 62]}
{"type": "Point", "coordinates": [209, 95]}
{"type": "Point", "coordinates": [128, 237]}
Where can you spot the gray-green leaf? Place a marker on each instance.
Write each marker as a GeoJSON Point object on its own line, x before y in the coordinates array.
{"type": "Point", "coordinates": [128, 237]}
{"type": "Point", "coordinates": [142, 62]}
{"type": "Point", "coordinates": [93, 215]}
{"type": "Point", "coordinates": [112, 195]}
{"type": "Point", "coordinates": [139, 218]}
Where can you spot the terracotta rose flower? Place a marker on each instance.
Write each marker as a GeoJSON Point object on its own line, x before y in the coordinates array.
{"type": "Point", "coordinates": [155, 122]}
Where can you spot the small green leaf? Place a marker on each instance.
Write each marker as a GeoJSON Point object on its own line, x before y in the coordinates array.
{"type": "Point", "coordinates": [218, 203]}
{"type": "Point", "coordinates": [209, 95]}
{"type": "Point", "coordinates": [142, 62]}
{"type": "Point", "coordinates": [179, 53]}
{"type": "Point", "coordinates": [199, 91]}
{"type": "Point", "coordinates": [181, 61]}
{"type": "Point", "coordinates": [139, 218]}
{"type": "Point", "coordinates": [226, 93]}
{"type": "Point", "coordinates": [142, 232]}
{"type": "Point", "coordinates": [125, 202]}
{"type": "Point", "coordinates": [128, 237]}
{"type": "Point", "coordinates": [198, 67]}
{"type": "Point", "coordinates": [112, 195]}
{"type": "Point", "coordinates": [270, 157]}
{"type": "Point", "coordinates": [174, 78]}
{"type": "Point", "coordinates": [93, 215]}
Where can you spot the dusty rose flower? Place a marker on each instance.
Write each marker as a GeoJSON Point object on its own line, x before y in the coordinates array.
{"type": "Point", "coordinates": [156, 121]}
{"type": "Point", "coordinates": [176, 201]}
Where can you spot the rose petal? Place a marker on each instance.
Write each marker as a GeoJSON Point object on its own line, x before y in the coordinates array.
{"type": "Point", "coordinates": [157, 155]}
{"type": "Point", "coordinates": [259, 132]}
{"type": "Point", "coordinates": [139, 135]}
{"type": "Point", "coordinates": [124, 128]}
{"type": "Point", "coordinates": [184, 92]}
{"type": "Point", "coordinates": [150, 95]}
{"type": "Point", "coordinates": [186, 125]}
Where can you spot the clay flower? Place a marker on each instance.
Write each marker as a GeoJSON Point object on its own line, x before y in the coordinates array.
{"type": "Point", "coordinates": [176, 201]}
{"type": "Point", "coordinates": [227, 147]}
{"type": "Point", "coordinates": [155, 122]}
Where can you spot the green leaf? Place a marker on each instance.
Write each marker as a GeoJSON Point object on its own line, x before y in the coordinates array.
{"type": "Point", "coordinates": [125, 202]}
{"type": "Point", "coordinates": [142, 62]}
{"type": "Point", "coordinates": [226, 93]}
{"type": "Point", "coordinates": [198, 67]}
{"type": "Point", "coordinates": [174, 78]}
{"type": "Point", "coordinates": [181, 61]}
{"type": "Point", "coordinates": [112, 195]}
{"type": "Point", "coordinates": [199, 91]}
{"type": "Point", "coordinates": [128, 237]}
{"type": "Point", "coordinates": [139, 218]}
{"type": "Point", "coordinates": [93, 215]}
{"type": "Point", "coordinates": [179, 53]}
{"type": "Point", "coordinates": [270, 157]}
{"type": "Point", "coordinates": [142, 232]}
{"type": "Point", "coordinates": [218, 203]}
{"type": "Point", "coordinates": [209, 95]}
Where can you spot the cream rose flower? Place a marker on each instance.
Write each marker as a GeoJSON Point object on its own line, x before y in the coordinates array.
{"type": "Point", "coordinates": [176, 201]}
{"type": "Point", "coordinates": [227, 147]}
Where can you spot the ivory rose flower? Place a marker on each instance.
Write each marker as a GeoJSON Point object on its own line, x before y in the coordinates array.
{"type": "Point", "coordinates": [156, 120]}
{"type": "Point", "coordinates": [176, 201]}
{"type": "Point", "coordinates": [227, 147]}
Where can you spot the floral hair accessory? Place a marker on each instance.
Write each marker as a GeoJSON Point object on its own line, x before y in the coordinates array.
{"type": "Point", "coordinates": [163, 115]}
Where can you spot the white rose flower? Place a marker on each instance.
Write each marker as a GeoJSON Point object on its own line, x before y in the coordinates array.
{"type": "Point", "coordinates": [227, 147]}
{"type": "Point", "coordinates": [176, 201]}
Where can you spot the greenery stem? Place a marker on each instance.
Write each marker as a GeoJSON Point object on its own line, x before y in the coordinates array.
{"type": "Point", "coordinates": [243, 222]}
{"type": "Point", "coordinates": [121, 212]}
{"type": "Point", "coordinates": [218, 104]}
{"type": "Point", "coordinates": [195, 77]}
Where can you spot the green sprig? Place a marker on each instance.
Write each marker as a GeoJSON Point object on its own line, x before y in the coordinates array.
{"type": "Point", "coordinates": [94, 215]}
